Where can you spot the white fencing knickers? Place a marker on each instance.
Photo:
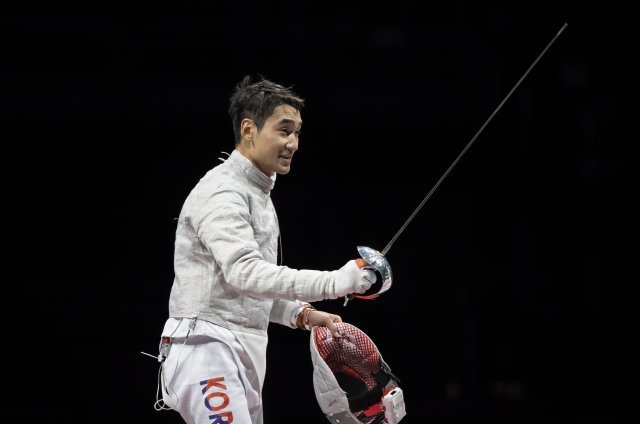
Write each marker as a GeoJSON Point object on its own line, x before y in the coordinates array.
{"type": "Point", "coordinates": [206, 381]}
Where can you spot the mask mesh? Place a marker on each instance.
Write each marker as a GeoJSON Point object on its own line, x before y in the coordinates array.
{"type": "Point", "coordinates": [353, 357]}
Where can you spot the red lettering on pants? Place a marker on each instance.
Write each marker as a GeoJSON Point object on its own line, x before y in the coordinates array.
{"type": "Point", "coordinates": [217, 419]}
{"type": "Point", "coordinates": [225, 401]}
{"type": "Point", "coordinates": [216, 382]}
{"type": "Point", "coordinates": [213, 382]}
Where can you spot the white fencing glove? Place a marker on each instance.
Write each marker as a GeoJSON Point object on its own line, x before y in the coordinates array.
{"type": "Point", "coordinates": [352, 279]}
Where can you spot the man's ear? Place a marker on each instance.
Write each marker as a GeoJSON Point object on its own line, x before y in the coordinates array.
{"type": "Point", "coordinates": [247, 129]}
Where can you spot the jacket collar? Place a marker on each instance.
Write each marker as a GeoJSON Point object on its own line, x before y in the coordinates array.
{"type": "Point", "coordinates": [254, 174]}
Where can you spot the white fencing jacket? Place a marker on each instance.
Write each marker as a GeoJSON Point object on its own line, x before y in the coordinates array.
{"type": "Point", "coordinates": [226, 251]}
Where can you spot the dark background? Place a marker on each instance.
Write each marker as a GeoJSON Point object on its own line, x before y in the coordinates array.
{"type": "Point", "coordinates": [515, 287]}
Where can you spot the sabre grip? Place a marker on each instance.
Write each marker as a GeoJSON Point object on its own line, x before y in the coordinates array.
{"type": "Point", "coordinates": [353, 277]}
{"type": "Point", "coordinates": [377, 282]}
{"type": "Point", "coordinates": [375, 262]}
{"type": "Point", "coordinates": [361, 263]}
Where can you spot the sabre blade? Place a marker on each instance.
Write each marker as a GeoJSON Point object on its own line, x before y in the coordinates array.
{"type": "Point", "coordinates": [378, 260]}
{"type": "Point", "coordinates": [424, 200]}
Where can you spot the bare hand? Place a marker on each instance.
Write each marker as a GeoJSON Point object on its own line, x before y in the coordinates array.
{"type": "Point", "coordinates": [325, 319]}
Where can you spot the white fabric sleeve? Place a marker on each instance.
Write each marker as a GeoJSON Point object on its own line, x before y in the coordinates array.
{"type": "Point", "coordinates": [223, 225]}
{"type": "Point", "coordinates": [284, 312]}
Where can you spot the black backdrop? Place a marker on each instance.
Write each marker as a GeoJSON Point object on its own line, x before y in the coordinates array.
{"type": "Point", "coordinates": [514, 291]}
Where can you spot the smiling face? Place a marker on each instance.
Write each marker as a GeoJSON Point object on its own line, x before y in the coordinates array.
{"type": "Point", "coordinates": [271, 147]}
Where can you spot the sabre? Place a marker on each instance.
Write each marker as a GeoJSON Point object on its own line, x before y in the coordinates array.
{"type": "Point", "coordinates": [376, 260]}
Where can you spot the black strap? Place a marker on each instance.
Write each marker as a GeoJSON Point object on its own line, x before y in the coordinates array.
{"type": "Point", "coordinates": [364, 399]}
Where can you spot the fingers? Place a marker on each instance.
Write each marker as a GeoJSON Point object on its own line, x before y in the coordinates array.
{"type": "Point", "coordinates": [332, 325]}
{"type": "Point", "coordinates": [324, 319]}
{"type": "Point", "coordinates": [369, 275]}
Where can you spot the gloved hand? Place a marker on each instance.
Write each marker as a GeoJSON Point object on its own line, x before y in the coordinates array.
{"type": "Point", "coordinates": [351, 279]}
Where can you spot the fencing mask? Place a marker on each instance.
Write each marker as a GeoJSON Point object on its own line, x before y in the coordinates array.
{"type": "Point", "coordinates": [352, 382]}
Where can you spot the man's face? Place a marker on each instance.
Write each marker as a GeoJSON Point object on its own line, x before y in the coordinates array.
{"type": "Point", "coordinates": [271, 149]}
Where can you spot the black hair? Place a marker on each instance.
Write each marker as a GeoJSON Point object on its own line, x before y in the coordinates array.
{"type": "Point", "coordinates": [257, 101]}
